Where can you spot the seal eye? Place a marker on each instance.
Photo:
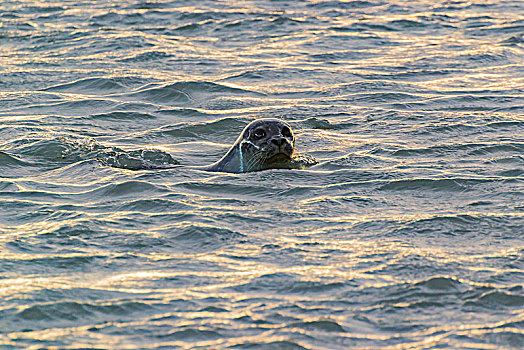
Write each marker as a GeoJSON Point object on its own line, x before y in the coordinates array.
{"type": "Point", "coordinates": [259, 133]}
{"type": "Point", "coordinates": [286, 132]}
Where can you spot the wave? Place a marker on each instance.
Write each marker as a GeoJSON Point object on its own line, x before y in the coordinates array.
{"type": "Point", "coordinates": [7, 186]}
{"type": "Point", "coordinates": [10, 161]}
{"type": "Point", "coordinates": [136, 159]}
{"type": "Point", "coordinates": [324, 123]}
{"type": "Point", "coordinates": [441, 284]}
{"type": "Point", "coordinates": [128, 188]}
{"type": "Point", "coordinates": [184, 93]}
{"type": "Point", "coordinates": [67, 312]}
{"type": "Point", "coordinates": [499, 299]}
{"type": "Point", "coordinates": [155, 205]}
{"type": "Point", "coordinates": [121, 116]}
{"type": "Point", "coordinates": [407, 234]}
{"type": "Point", "coordinates": [222, 130]}
{"type": "Point", "coordinates": [148, 56]}
{"type": "Point", "coordinates": [66, 108]}
{"type": "Point", "coordinates": [467, 149]}
{"type": "Point", "coordinates": [319, 326]}
{"type": "Point", "coordinates": [287, 73]}
{"type": "Point", "coordinates": [445, 184]}
{"type": "Point", "coordinates": [191, 334]}
{"type": "Point", "coordinates": [514, 40]}
{"type": "Point", "coordinates": [287, 283]}
{"type": "Point", "coordinates": [465, 225]}
{"type": "Point", "coordinates": [62, 151]}
{"type": "Point", "coordinates": [199, 238]}
{"type": "Point", "coordinates": [99, 86]}
{"type": "Point", "coordinates": [270, 345]}
{"type": "Point", "coordinates": [347, 5]}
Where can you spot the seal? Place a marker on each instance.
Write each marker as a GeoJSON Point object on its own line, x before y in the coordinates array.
{"type": "Point", "coordinates": [263, 144]}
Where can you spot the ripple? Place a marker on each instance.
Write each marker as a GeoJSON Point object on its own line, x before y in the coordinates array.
{"type": "Point", "coordinates": [68, 108]}
{"type": "Point", "coordinates": [128, 188]}
{"type": "Point", "coordinates": [154, 205]}
{"type": "Point", "coordinates": [8, 186]}
{"type": "Point", "coordinates": [202, 238]}
{"type": "Point", "coordinates": [355, 4]}
{"type": "Point", "coordinates": [452, 184]}
{"type": "Point", "coordinates": [64, 150]}
{"type": "Point", "coordinates": [441, 284]}
{"type": "Point", "coordinates": [189, 334]}
{"type": "Point", "coordinates": [148, 56]}
{"type": "Point", "coordinates": [136, 159]}
{"type": "Point", "coordinates": [497, 299]}
{"type": "Point", "coordinates": [44, 148]}
{"type": "Point", "coordinates": [325, 124]}
{"type": "Point", "coordinates": [321, 325]}
{"type": "Point", "coordinates": [98, 86]}
{"type": "Point", "coordinates": [9, 161]}
{"type": "Point", "coordinates": [181, 93]}
{"type": "Point", "coordinates": [407, 234]}
{"type": "Point", "coordinates": [458, 225]}
{"type": "Point", "coordinates": [121, 116]}
{"type": "Point", "coordinates": [71, 311]}
{"type": "Point", "coordinates": [514, 40]}
{"type": "Point", "coordinates": [287, 283]}
{"type": "Point", "coordinates": [463, 148]}
{"type": "Point", "coordinates": [221, 128]}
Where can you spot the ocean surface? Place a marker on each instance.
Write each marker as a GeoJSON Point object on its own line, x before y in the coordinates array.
{"type": "Point", "coordinates": [407, 234]}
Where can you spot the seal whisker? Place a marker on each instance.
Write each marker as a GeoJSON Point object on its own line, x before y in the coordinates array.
{"type": "Point", "coordinates": [259, 161]}
{"type": "Point", "coordinates": [256, 160]}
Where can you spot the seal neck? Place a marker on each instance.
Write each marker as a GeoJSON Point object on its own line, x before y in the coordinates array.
{"type": "Point", "coordinates": [231, 162]}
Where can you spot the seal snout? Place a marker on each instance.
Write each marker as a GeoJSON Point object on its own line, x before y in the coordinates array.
{"type": "Point", "coordinates": [279, 141]}
{"type": "Point", "coordinates": [281, 145]}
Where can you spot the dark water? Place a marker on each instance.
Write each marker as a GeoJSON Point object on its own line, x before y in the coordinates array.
{"type": "Point", "coordinates": [406, 235]}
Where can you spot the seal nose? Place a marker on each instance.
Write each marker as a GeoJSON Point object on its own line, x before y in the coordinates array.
{"type": "Point", "coordinates": [279, 141]}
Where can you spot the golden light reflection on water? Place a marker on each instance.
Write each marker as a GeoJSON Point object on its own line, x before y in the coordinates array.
{"type": "Point", "coordinates": [340, 247]}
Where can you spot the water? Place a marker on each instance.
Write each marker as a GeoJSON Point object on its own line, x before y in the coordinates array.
{"type": "Point", "coordinates": [406, 235]}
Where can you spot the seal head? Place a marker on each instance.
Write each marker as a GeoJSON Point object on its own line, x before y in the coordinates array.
{"type": "Point", "coordinates": [263, 144]}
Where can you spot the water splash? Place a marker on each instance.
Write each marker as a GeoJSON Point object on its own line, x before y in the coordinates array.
{"type": "Point", "coordinates": [140, 159]}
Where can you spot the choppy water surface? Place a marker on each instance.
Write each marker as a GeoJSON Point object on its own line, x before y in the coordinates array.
{"type": "Point", "coordinates": [406, 235]}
